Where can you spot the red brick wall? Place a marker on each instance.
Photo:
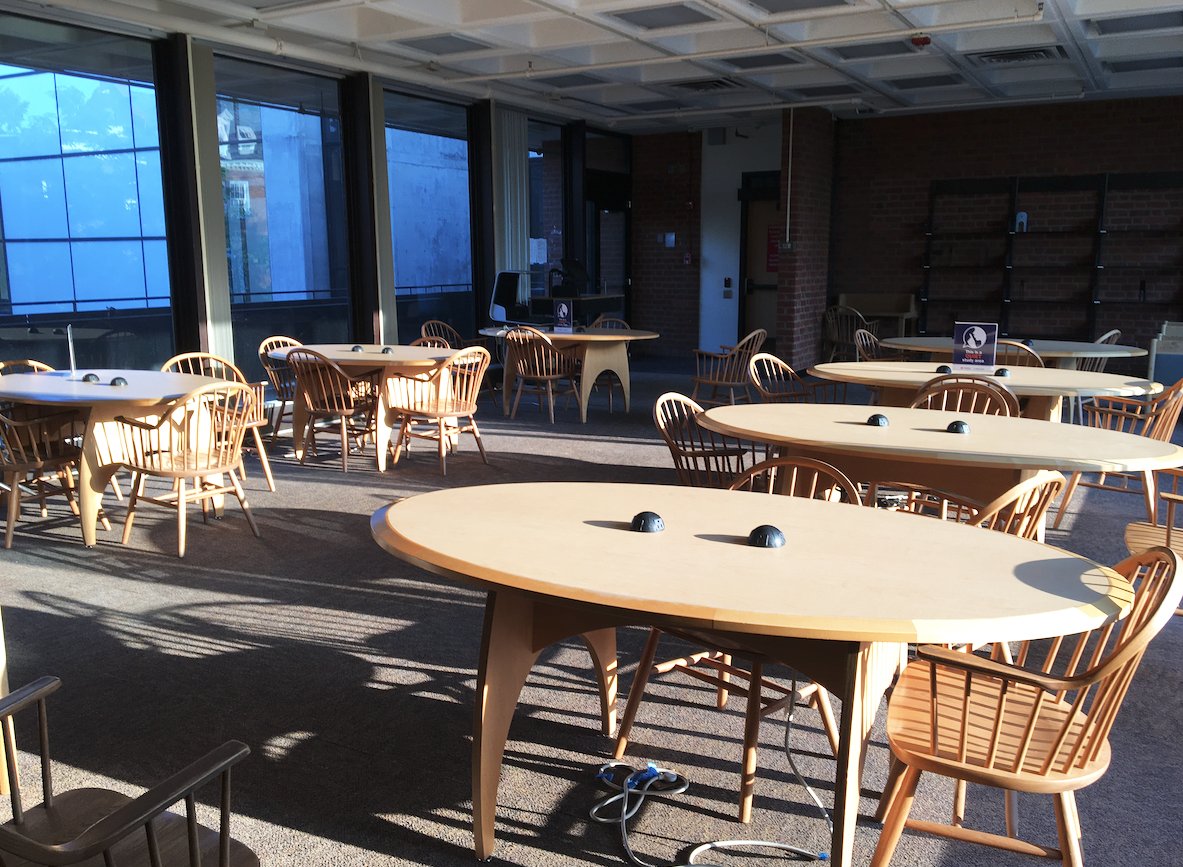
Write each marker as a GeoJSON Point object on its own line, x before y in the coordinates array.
{"type": "Point", "coordinates": [885, 168]}
{"type": "Point", "coordinates": [667, 179]}
{"type": "Point", "coordinates": [801, 293]}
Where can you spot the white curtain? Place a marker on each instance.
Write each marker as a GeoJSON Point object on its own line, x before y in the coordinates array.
{"type": "Point", "coordinates": [511, 194]}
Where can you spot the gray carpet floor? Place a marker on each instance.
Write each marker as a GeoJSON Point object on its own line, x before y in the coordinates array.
{"type": "Point", "coordinates": [350, 674]}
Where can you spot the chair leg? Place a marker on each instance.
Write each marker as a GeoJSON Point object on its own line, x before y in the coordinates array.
{"type": "Point", "coordinates": [636, 692]}
{"type": "Point", "coordinates": [1068, 825]}
{"type": "Point", "coordinates": [403, 436]}
{"type": "Point", "coordinates": [1066, 499]}
{"type": "Point", "coordinates": [443, 447]}
{"type": "Point", "coordinates": [820, 700]}
{"type": "Point", "coordinates": [514, 412]}
{"type": "Point", "coordinates": [550, 400]}
{"type": "Point", "coordinates": [246, 509]}
{"type": "Point", "coordinates": [477, 436]}
{"type": "Point", "coordinates": [308, 429]}
{"type": "Point", "coordinates": [897, 814]}
{"type": "Point", "coordinates": [1149, 497]}
{"type": "Point", "coordinates": [959, 807]}
{"type": "Point", "coordinates": [137, 488]}
{"type": "Point", "coordinates": [263, 460]}
{"type": "Point", "coordinates": [751, 739]}
{"type": "Point", "coordinates": [14, 507]}
{"type": "Point", "coordinates": [1012, 811]}
{"type": "Point", "coordinates": [344, 444]}
{"type": "Point", "coordinates": [278, 421]}
{"type": "Point", "coordinates": [181, 516]}
{"type": "Point", "coordinates": [722, 694]}
{"type": "Point", "coordinates": [894, 772]}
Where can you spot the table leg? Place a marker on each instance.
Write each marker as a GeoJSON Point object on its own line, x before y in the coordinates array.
{"type": "Point", "coordinates": [382, 422]}
{"type": "Point", "coordinates": [299, 424]}
{"type": "Point", "coordinates": [597, 357]}
{"type": "Point", "coordinates": [509, 375]}
{"type": "Point", "coordinates": [4, 788]}
{"type": "Point", "coordinates": [94, 474]}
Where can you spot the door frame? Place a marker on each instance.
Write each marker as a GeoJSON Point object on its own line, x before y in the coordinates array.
{"type": "Point", "coordinates": [754, 187]}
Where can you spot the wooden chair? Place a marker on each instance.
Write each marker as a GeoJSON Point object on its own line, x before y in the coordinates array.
{"type": "Point", "coordinates": [1141, 536]}
{"type": "Point", "coordinates": [615, 322]}
{"type": "Point", "coordinates": [608, 379]}
{"type": "Point", "coordinates": [1030, 726]}
{"type": "Point", "coordinates": [101, 826]}
{"type": "Point", "coordinates": [199, 437]}
{"type": "Point", "coordinates": [727, 369]}
{"type": "Point", "coordinates": [1095, 365]}
{"type": "Point", "coordinates": [959, 392]}
{"type": "Point", "coordinates": [39, 449]}
{"type": "Point", "coordinates": [702, 458]}
{"type": "Point", "coordinates": [797, 477]}
{"type": "Point", "coordinates": [868, 346]}
{"type": "Point", "coordinates": [540, 368]}
{"type": "Point", "coordinates": [283, 378]}
{"type": "Point", "coordinates": [841, 323]}
{"type": "Point", "coordinates": [206, 364]}
{"type": "Point", "coordinates": [1011, 353]}
{"type": "Point", "coordinates": [776, 382]}
{"type": "Point", "coordinates": [451, 337]}
{"type": "Point", "coordinates": [24, 365]}
{"type": "Point", "coordinates": [330, 393]}
{"type": "Point", "coordinates": [447, 399]}
{"type": "Point", "coordinates": [431, 341]}
{"type": "Point", "coordinates": [1154, 418]}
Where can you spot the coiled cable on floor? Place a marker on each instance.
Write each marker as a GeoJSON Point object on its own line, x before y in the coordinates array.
{"type": "Point", "coordinates": [631, 790]}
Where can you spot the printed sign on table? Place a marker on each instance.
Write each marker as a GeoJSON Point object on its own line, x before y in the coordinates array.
{"type": "Point", "coordinates": [562, 316]}
{"type": "Point", "coordinates": [974, 345]}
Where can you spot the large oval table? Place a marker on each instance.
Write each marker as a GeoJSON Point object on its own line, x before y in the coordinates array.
{"type": "Point", "coordinates": [146, 390]}
{"type": "Point", "coordinates": [1042, 387]}
{"type": "Point", "coordinates": [400, 361]}
{"type": "Point", "coordinates": [840, 612]}
{"type": "Point", "coordinates": [597, 349]}
{"type": "Point", "coordinates": [1062, 353]}
{"type": "Point", "coordinates": [915, 447]}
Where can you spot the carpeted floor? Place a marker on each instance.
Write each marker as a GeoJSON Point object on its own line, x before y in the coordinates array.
{"type": "Point", "coordinates": [350, 674]}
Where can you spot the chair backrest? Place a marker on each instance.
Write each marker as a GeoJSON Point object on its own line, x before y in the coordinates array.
{"type": "Point", "coordinates": [444, 331]}
{"type": "Point", "coordinates": [775, 381]}
{"type": "Point", "coordinates": [798, 477]}
{"type": "Point", "coordinates": [464, 370]}
{"type": "Point", "coordinates": [31, 435]}
{"type": "Point", "coordinates": [734, 365]}
{"type": "Point", "coordinates": [432, 341]}
{"type": "Point", "coordinates": [1011, 353]}
{"type": "Point", "coordinates": [1154, 418]}
{"type": "Point", "coordinates": [24, 365]}
{"type": "Point", "coordinates": [283, 380]}
{"type": "Point", "coordinates": [959, 392]}
{"type": "Point", "coordinates": [613, 322]}
{"type": "Point", "coordinates": [536, 356]}
{"type": "Point", "coordinates": [1097, 365]}
{"type": "Point", "coordinates": [1021, 510]}
{"type": "Point", "coordinates": [702, 458]}
{"type": "Point", "coordinates": [1093, 671]}
{"type": "Point", "coordinates": [842, 323]}
{"type": "Point", "coordinates": [200, 434]}
{"type": "Point", "coordinates": [326, 388]}
{"type": "Point", "coordinates": [867, 345]}
{"type": "Point", "coordinates": [204, 364]}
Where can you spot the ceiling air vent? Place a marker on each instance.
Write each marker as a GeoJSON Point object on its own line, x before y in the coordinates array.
{"type": "Point", "coordinates": [926, 81]}
{"type": "Point", "coordinates": [710, 85]}
{"type": "Point", "coordinates": [761, 61]}
{"type": "Point", "coordinates": [661, 17]}
{"type": "Point", "coordinates": [1138, 23]}
{"type": "Point", "coordinates": [1020, 56]}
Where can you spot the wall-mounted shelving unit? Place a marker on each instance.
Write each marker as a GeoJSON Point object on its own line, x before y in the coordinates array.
{"type": "Point", "coordinates": [1099, 252]}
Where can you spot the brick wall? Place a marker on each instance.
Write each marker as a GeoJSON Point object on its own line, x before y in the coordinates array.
{"type": "Point", "coordinates": [885, 167]}
{"type": "Point", "coordinates": [667, 175]}
{"type": "Point", "coordinates": [801, 292]}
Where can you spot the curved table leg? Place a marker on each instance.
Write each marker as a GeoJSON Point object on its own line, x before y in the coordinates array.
{"type": "Point", "coordinates": [598, 356]}
{"type": "Point", "coordinates": [95, 470]}
{"type": "Point", "coordinates": [299, 424]}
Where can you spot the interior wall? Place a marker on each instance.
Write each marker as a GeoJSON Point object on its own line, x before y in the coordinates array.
{"type": "Point", "coordinates": [885, 167]}
{"type": "Point", "coordinates": [754, 148]}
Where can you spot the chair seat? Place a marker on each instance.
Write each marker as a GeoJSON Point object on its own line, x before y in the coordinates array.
{"type": "Point", "coordinates": [164, 463]}
{"type": "Point", "coordinates": [1140, 537]}
{"type": "Point", "coordinates": [438, 408]}
{"type": "Point", "coordinates": [76, 810]}
{"type": "Point", "coordinates": [909, 732]}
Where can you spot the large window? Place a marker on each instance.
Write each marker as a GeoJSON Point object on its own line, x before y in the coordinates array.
{"type": "Point", "coordinates": [546, 204]}
{"type": "Point", "coordinates": [427, 168]}
{"type": "Point", "coordinates": [283, 191]}
{"type": "Point", "coordinates": [81, 204]}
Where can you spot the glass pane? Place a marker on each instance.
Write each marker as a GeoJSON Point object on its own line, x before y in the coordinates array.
{"type": "Point", "coordinates": [546, 203]}
{"type": "Point", "coordinates": [284, 202]}
{"type": "Point", "coordinates": [33, 199]}
{"type": "Point", "coordinates": [84, 101]}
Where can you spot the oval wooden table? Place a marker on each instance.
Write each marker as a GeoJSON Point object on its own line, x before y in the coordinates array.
{"type": "Point", "coordinates": [400, 361]}
{"type": "Point", "coordinates": [915, 447]}
{"type": "Point", "coordinates": [838, 612]}
{"type": "Point", "coordinates": [598, 350]}
{"type": "Point", "coordinates": [1062, 353]}
{"type": "Point", "coordinates": [101, 402]}
{"type": "Point", "coordinates": [1043, 387]}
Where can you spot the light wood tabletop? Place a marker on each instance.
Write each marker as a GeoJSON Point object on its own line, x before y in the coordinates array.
{"type": "Point", "coordinates": [399, 361]}
{"type": "Point", "coordinates": [1063, 352]}
{"type": "Point", "coordinates": [1043, 387]}
{"type": "Point", "coordinates": [598, 350]}
{"type": "Point", "coordinates": [995, 455]}
{"type": "Point", "coordinates": [102, 402]}
{"type": "Point", "coordinates": [839, 619]}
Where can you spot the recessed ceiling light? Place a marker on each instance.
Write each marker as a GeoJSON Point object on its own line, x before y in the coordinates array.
{"type": "Point", "coordinates": [926, 81]}
{"type": "Point", "coordinates": [1134, 23]}
{"type": "Point", "coordinates": [574, 79]}
{"type": "Point", "coordinates": [873, 49]}
{"type": "Point", "coordinates": [774, 7]}
{"type": "Point", "coordinates": [446, 43]}
{"type": "Point", "coordinates": [760, 61]}
{"type": "Point", "coordinates": [659, 17]}
{"type": "Point", "coordinates": [1145, 64]}
{"type": "Point", "coordinates": [825, 90]}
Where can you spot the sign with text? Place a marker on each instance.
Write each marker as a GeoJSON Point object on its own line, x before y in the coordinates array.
{"type": "Point", "coordinates": [974, 345]}
{"type": "Point", "coordinates": [563, 320]}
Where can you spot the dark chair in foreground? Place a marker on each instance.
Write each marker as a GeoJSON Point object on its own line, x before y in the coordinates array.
{"type": "Point", "coordinates": [1037, 725]}
{"type": "Point", "coordinates": [726, 370]}
{"type": "Point", "coordinates": [841, 323]}
{"type": "Point", "coordinates": [796, 477]}
{"type": "Point", "coordinates": [99, 826]}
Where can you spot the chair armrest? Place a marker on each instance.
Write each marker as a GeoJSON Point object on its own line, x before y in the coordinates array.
{"type": "Point", "coordinates": [109, 830]}
{"type": "Point", "coordinates": [702, 353]}
{"type": "Point", "coordinates": [988, 667]}
{"type": "Point", "coordinates": [19, 699]}
{"type": "Point", "coordinates": [142, 425]}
